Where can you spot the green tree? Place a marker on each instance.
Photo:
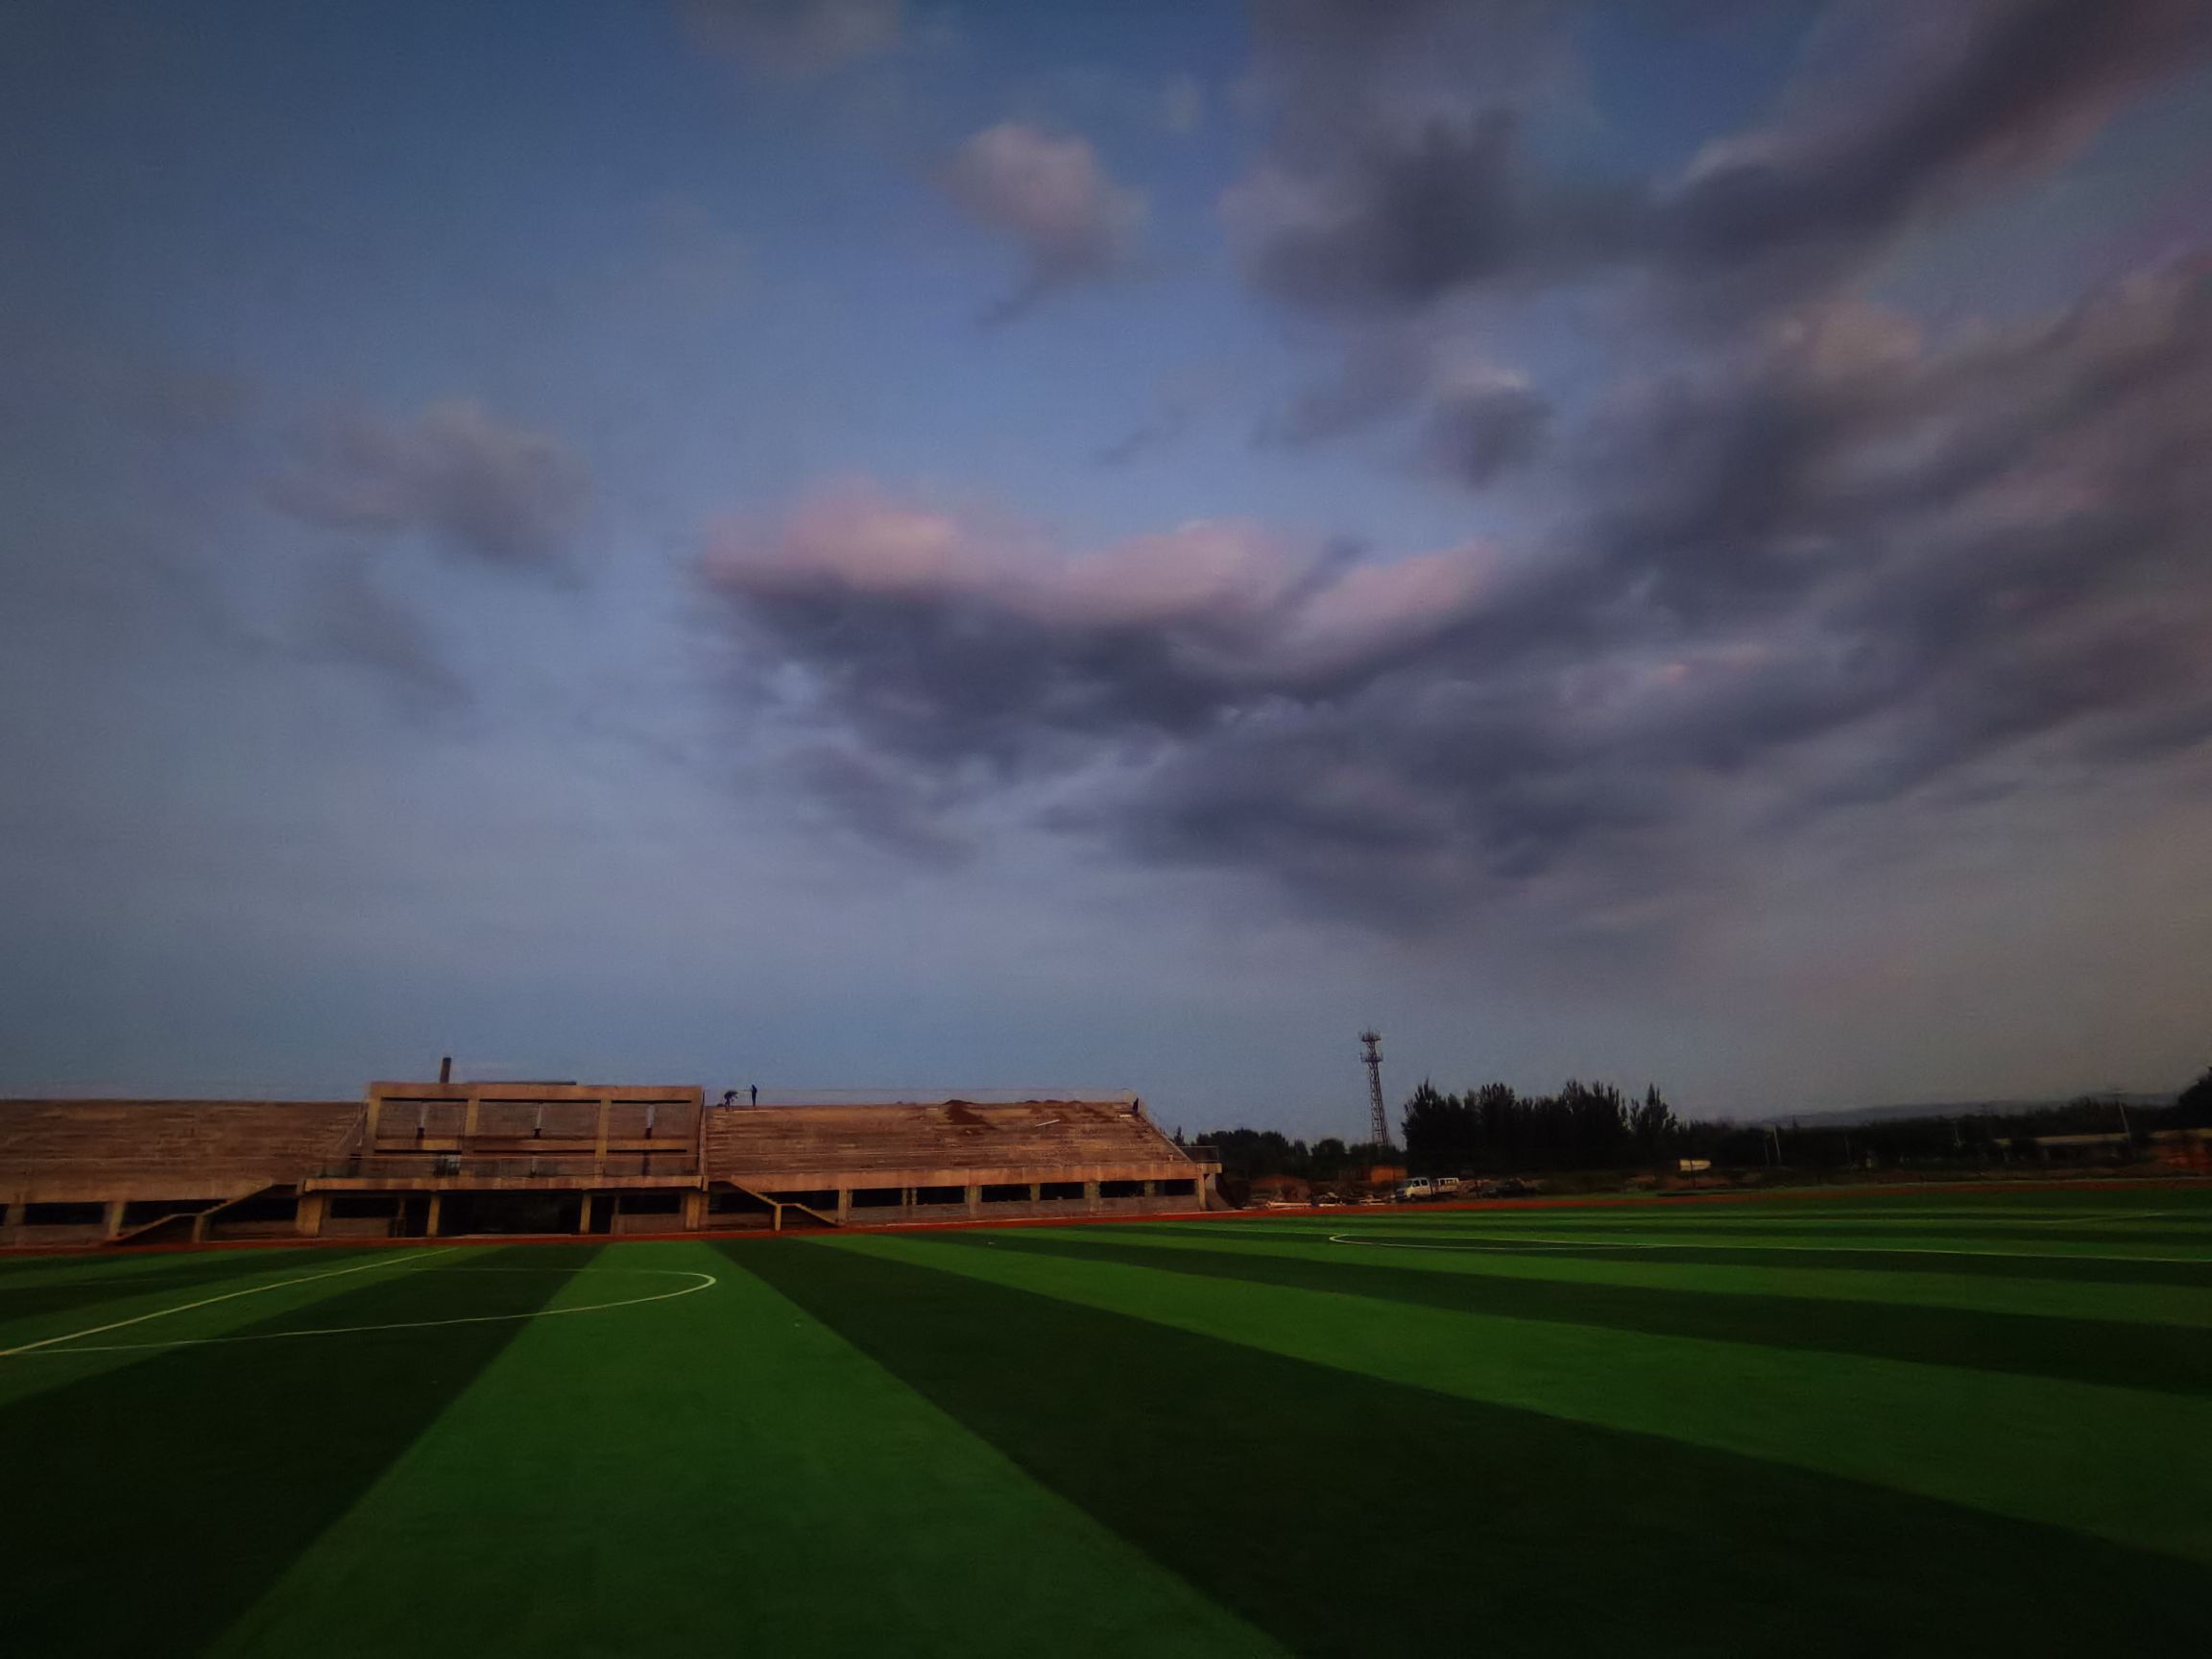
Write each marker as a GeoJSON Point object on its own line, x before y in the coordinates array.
{"type": "Point", "coordinates": [1653, 1127]}
{"type": "Point", "coordinates": [2192, 1109]}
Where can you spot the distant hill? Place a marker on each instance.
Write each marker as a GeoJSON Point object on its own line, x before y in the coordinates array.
{"type": "Point", "coordinates": [1857, 1115]}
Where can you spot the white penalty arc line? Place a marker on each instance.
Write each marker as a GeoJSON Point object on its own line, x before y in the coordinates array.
{"type": "Point", "coordinates": [1491, 1246]}
{"type": "Point", "coordinates": [210, 1301]}
{"type": "Point", "coordinates": [706, 1281]}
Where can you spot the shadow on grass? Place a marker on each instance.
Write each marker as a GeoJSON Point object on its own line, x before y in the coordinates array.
{"type": "Point", "coordinates": [150, 1504]}
{"type": "Point", "coordinates": [1338, 1512]}
{"type": "Point", "coordinates": [2174, 1357]}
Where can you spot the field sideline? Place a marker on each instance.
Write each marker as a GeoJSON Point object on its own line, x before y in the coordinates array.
{"type": "Point", "coordinates": [1947, 1422]}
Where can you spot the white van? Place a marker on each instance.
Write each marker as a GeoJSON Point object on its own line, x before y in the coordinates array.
{"type": "Point", "coordinates": [1420, 1187]}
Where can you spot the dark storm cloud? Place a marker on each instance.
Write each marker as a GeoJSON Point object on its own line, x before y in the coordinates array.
{"type": "Point", "coordinates": [1834, 567]}
{"type": "Point", "coordinates": [475, 487]}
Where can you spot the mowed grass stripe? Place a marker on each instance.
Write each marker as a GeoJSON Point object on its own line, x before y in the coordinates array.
{"type": "Point", "coordinates": [2146, 1237]}
{"type": "Point", "coordinates": [2146, 1304]}
{"type": "Point", "coordinates": [80, 1268]}
{"type": "Point", "coordinates": [2181, 1208]}
{"type": "Point", "coordinates": [1543, 1534]}
{"type": "Point", "coordinates": [64, 1364]}
{"type": "Point", "coordinates": [1995, 1261]}
{"type": "Point", "coordinates": [2164, 1357]}
{"type": "Point", "coordinates": [2188, 1241]}
{"type": "Point", "coordinates": [32, 1311]}
{"type": "Point", "coordinates": [717, 1473]}
{"type": "Point", "coordinates": [2126, 1464]}
{"type": "Point", "coordinates": [153, 1501]}
{"type": "Point", "coordinates": [1932, 1224]}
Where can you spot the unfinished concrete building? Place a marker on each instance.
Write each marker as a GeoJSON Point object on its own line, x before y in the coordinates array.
{"type": "Point", "coordinates": [421, 1160]}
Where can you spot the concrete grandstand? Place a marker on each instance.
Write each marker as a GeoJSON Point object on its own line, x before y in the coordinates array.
{"type": "Point", "coordinates": [417, 1160]}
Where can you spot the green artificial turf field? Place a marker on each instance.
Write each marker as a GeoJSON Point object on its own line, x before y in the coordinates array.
{"type": "Point", "coordinates": [1951, 1423]}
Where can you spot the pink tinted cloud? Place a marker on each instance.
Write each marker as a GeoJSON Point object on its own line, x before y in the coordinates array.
{"type": "Point", "coordinates": [1050, 192]}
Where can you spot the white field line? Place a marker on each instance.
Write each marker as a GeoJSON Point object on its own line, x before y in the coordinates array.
{"type": "Point", "coordinates": [1481, 1245]}
{"type": "Point", "coordinates": [706, 1281]}
{"type": "Point", "coordinates": [210, 1301]}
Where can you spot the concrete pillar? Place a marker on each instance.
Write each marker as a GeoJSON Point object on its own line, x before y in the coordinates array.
{"type": "Point", "coordinates": [583, 1215]}
{"type": "Point", "coordinates": [694, 1210]}
{"type": "Point", "coordinates": [308, 1218]}
{"type": "Point", "coordinates": [430, 1226]}
{"type": "Point", "coordinates": [1036, 1192]}
{"type": "Point", "coordinates": [1091, 1196]}
{"type": "Point", "coordinates": [844, 1206]}
{"type": "Point", "coordinates": [974, 1196]}
{"type": "Point", "coordinates": [8, 1215]}
{"type": "Point", "coordinates": [114, 1217]}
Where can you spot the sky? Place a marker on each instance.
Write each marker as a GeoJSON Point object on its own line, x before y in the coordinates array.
{"type": "Point", "coordinates": [844, 545]}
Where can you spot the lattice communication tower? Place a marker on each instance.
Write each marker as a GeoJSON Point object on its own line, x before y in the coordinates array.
{"type": "Point", "coordinates": [1379, 1128]}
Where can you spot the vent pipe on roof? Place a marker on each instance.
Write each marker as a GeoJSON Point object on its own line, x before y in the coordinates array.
{"type": "Point", "coordinates": [445, 1068]}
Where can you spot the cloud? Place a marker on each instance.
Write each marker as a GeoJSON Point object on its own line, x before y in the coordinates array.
{"type": "Point", "coordinates": [1918, 109]}
{"type": "Point", "coordinates": [349, 618]}
{"type": "Point", "coordinates": [1155, 432]}
{"type": "Point", "coordinates": [1405, 218]}
{"type": "Point", "coordinates": [794, 39]}
{"type": "Point", "coordinates": [953, 633]}
{"type": "Point", "coordinates": [1484, 427]}
{"type": "Point", "coordinates": [479, 490]}
{"type": "Point", "coordinates": [1381, 370]}
{"type": "Point", "coordinates": [1386, 187]}
{"type": "Point", "coordinates": [1051, 195]}
{"type": "Point", "coordinates": [1182, 399]}
{"type": "Point", "coordinates": [1841, 567]}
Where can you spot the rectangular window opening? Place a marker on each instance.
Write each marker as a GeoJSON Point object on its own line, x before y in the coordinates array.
{"type": "Point", "coordinates": [63, 1215]}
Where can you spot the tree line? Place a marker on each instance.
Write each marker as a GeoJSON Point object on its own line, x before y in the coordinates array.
{"type": "Point", "coordinates": [1495, 1130]}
